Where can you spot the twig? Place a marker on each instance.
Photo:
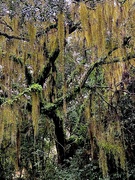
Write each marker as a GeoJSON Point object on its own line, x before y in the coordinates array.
{"type": "Point", "coordinates": [13, 37]}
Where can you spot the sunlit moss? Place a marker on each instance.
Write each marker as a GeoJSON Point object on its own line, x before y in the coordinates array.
{"type": "Point", "coordinates": [86, 24]}
{"type": "Point", "coordinates": [15, 24]}
{"type": "Point", "coordinates": [9, 123]}
{"type": "Point", "coordinates": [31, 32]}
{"type": "Point", "coordinates": [61, 36]}
{"type": "Point", "coordinates": [52, 41]}
{"type": "Point", "coordinates": [103, 162]}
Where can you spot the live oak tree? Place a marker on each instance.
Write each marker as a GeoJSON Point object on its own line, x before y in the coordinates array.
{"type": "Point", "coordinates": [63, 65]}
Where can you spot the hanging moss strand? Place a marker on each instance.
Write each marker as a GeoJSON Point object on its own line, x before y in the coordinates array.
{"type": "Point", "coordinates": [35, 112]}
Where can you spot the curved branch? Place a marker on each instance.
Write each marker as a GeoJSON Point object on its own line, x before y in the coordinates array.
{"type": "Point", "coordinates": [45, 73]}
{"type": "Point", "coordinates": [59, 102]}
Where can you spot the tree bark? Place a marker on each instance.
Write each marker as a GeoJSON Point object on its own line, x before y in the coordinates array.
{"type": "Point", "coordinates": [60, 137]}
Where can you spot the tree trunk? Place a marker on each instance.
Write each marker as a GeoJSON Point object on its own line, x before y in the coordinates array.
{"type": "Point", "coordinates": [60, 138]}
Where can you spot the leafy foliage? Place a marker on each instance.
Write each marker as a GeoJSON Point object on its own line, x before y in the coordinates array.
{"type": "Point", "coordinates": [67, 87]}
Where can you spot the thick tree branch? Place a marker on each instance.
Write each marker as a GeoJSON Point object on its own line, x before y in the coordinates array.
{"type": "Point", "coordinates": [59, 102]}
{"type": "Point", "coordinates": [73, 27]}
{"type": "Point", "coordinates": [52, 26]}
{"type": "Point", "coordinates": [45, 73]}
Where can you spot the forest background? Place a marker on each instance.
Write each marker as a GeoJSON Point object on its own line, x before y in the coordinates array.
{"type": "Point", "coordinates": [67, 89]}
